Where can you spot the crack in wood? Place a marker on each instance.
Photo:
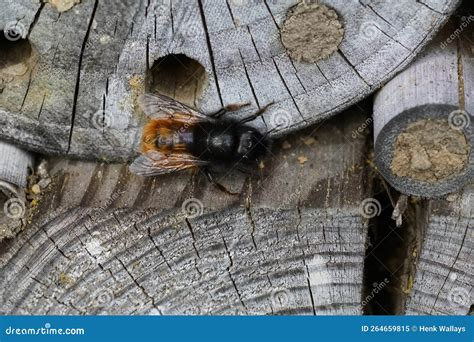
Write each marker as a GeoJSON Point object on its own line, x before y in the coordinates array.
{"type": "Point", "coordinates": [36, 17]}
{"type": "Point", "coordinates": [138, 285]}
{"type": "Point", "coordinates": [462, 97]}
{"type": "Point", "coordinates": [188, 224]}
{"type": "Point", "coordinates": [271, 14]}
{"type": "Point", "coordinates": [375, 12]}
{"type": "Point", "coordinates": [253, 43]}
{"type": "Point", "coordinates": [248, 211]}
{"type": "Point", "coordinates": [248, 79]}
{"type": "Point", "coordinates": [79, 71]}
{"type": "Point", "coordinates": [288, 90]}
{"type": "Point", "coordinates": [211, 53]}
{"type": "Point", "coordinates": [158, 249]}
{"type": "Point", "coordinates": [230, 12]}
{"type": "Point", "coordinates": [341, 53]}
{"type": "Point", "coordinates": [450, 268]}
{"type": "Point", "coordinates": [429, 7]}
{"type": "Point", "coordinates": [308, 276]}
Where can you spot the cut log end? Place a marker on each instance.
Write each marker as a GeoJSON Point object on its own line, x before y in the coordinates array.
{"type": "Point", "coordinates": [427, 150]}
{"type": "Point", "coordinates": [15, 165]}
{"type": "Point", "coordinates": [423, 129]}
{"type": "Point", "coordinates": [79, 99]}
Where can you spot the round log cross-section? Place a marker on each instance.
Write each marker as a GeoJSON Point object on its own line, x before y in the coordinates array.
{"type": "Point", "coordinates": [424, 133]}
{"type": "Point", "coordinates": [104, 241]}
{"type": "Point", "coordinates": [75, 92]}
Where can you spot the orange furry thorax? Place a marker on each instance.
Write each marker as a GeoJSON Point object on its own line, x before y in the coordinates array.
{"type": "Point", "coordinates": [165, 131]}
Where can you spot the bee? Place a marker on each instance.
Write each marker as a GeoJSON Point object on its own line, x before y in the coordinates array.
{"type": "Point", "coordinates": [178, 137]}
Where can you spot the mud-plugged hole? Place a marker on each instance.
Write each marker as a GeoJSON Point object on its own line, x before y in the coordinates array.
{"type": "Point", "coordinates": [429, 151]}
{"type": "Point", "coordinates": [391, 257]}
{"type": "Point", "coordinates": [63, 5]}
{"type": "Point", "coordinates": [179, 77]}
{"type": "Point", "coordinates": [311, 32]}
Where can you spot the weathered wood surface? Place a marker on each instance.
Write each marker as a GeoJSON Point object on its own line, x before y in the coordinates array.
{"type": "Point", "coordinates": [438, 85]}
{"type": "Point", "coordinates": [444, 282]}
{"type": "Point", "coordinates": [105, 241]}
{"type": "Point", "coordinates": [89, 63]}
{"type": "Point", "coordinates": [441, 248]}
{"type": "Point", "coordinates": [15, 165]}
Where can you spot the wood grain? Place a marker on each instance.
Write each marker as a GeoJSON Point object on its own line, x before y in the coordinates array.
{"type": "Point", "coordinates": [445, 274]}
{"type": "Point", "coordinates": [436, 86]}
{"type": "Point", "coordinates": [105, 241]}
{"type": "Point", "coordinates": [93, 62]}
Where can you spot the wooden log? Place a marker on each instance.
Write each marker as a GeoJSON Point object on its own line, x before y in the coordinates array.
{"type": "Point", "coordinates": [423, 129]}
{"type": "Point", "coordinates": [74, 89]}
{"type": "Point", "coordinates": [15, 165]}
{"type": "Point", "coordinates": [444, 279]}
{"type": "Point", "coordinates": [106, 241]}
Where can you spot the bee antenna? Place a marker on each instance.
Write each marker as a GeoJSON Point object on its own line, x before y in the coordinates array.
{"type": "Point", "coordinates": [257, 114]}
{"type": "Point", "coordinates": [269, 131]}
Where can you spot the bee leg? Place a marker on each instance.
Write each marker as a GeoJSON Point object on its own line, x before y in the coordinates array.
{"type": "Point", "coordinates": [219, 186]}
{"type": "Point", "coordinates": [257, 114]}
{"type": "Point", "coordinates": [228, 108]}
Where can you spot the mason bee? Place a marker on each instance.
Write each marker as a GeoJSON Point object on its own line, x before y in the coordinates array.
{"type": "Point", "coordinates": [178, 137]}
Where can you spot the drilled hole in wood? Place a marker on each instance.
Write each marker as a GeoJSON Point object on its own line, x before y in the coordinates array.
{"type": "Point", "coordinates": [15, 57]}
{"type": "Point", "coordinates": [311, 32]}
{"type": "Point", "coordinates": [179, 77]}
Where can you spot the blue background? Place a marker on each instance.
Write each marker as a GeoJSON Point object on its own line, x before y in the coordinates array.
{"type": "Point", "coordinates": [235, 328]}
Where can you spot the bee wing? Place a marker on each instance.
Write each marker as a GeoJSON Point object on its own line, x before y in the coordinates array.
{"type": "Point", "coordinates": [155, 163]}
{"type": "Point", "coordinates": [163, 107]}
